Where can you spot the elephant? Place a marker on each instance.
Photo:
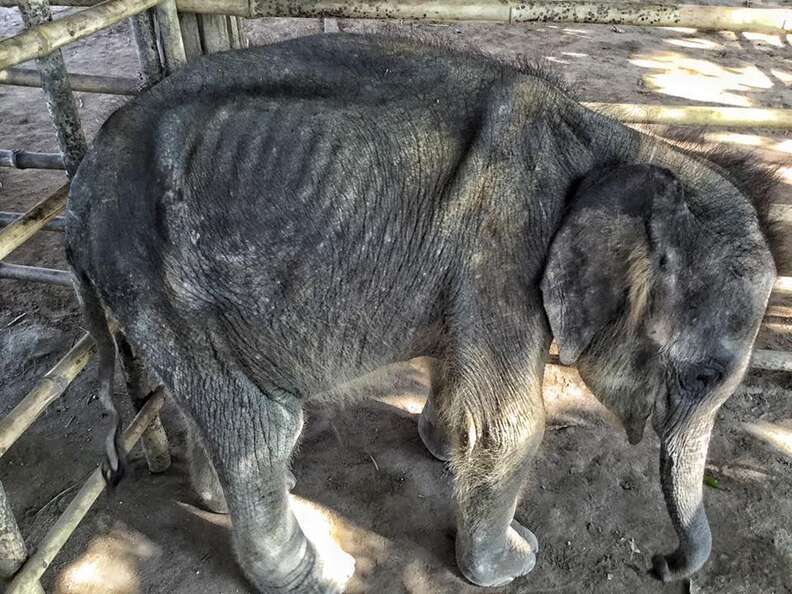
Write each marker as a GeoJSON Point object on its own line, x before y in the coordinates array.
{"type": "Point", "coordinates": [268, 223]}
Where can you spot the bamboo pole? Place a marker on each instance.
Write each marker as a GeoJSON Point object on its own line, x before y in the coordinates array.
{"type": "Point", "coordinates": [55, 83]}
{"type": "Point", "coordinates": [49, 388]}
{"type": "Point", "coordinates": [717, 18]}
{"type": "Point", "coordinates": [18, 232]}
{"type": "Point", "coordinates": [170, 34]}
{"type": "Point", "coordinates": [156, 447]}
{"type": "Point", "coordinates": [237, 32]}
{"type": "Point", "coordinates": [44, 39]}
{"type": "Point", "coordinates": [35, 274]}
{"type": "Point", "coordinates": [215, 36]}
{"type": "Point", "coordinates": [765, 20]}
{"type": "Point", "coordinates": [705, 18]}
{"type": "Point", "coordinates": [56, 537]}
{"type": "Point", "coordinates": [191, 34]}
{"type": "Point", "coordinates": [87, 83]}
{"type": "Point", "coordinates": [30, 160]}
{"type": "Point", "coordinates": [696, 115]}
{"type": "Point", "coordinates": [56, 224]}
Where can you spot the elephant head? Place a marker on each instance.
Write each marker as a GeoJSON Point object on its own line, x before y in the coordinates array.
{"type": "Point", "coordinates": [655, 286]}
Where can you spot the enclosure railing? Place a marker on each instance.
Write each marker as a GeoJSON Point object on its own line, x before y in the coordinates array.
{"type": "Point", "coordinates": [44, 37]}
{"type": "Point", "coordinates": [55, 81]}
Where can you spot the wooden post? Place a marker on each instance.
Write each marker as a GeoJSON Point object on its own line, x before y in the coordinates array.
{"type": "Point", "coordinates": [12, 548]}
{"type": "Point", "coordinates": [145, 36]}
{"type": "Point", "coordinates": [13, 552]}
{"type": "Point", "coordinates": [210, 33]}
{"type": "Point", "coordinates": [55, 82]}
{"type": "Point", "coordinates": [170, 35]}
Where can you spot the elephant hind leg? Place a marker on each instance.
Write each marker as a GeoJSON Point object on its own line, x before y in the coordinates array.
{"type": "Point", "coordinates": [250, 436]}
{"type": "Point", "coordinates": [203, 475]}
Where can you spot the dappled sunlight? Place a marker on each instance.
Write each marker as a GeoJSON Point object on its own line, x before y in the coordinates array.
{"type": "Point", "coordinates": [222, 520]}
{"type": "Point", "coordinates": [110, 565]}
{"type": "Point", "coordinates": [785, 146]}
{"type": "Point", "coordinates": [765, 38]}
{"type": "Point", "coordinates": [741, 473]}
{"type": "Point", "coordinates": [785, 173]}
{"type": "Point", "coordinates": [557, 60]}
{"type": "Point", "coordinates": [567, 400]}
{"type": "Point", "coordinates": [338, 540]}
{"type": "Point", "coordinates": [695, 43]}
{"type": "Point", "coordinates": [318, 523]}
{"type": "Point", "coordinates": [683, 30]}
{"type": "Point", "coordinates": [701, 80]}
{"type": "Point", "coordinates": [754, 140]}
{"type": "Point", "coordinates": [782, 75]}
{"type": "Point", "coordinates": [778, 437]}
{"type": "Point", "coordinates": [407, 402]}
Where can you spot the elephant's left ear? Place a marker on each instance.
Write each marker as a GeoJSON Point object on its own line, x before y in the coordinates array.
{"type": "Point", "coordinates": [599, 256]}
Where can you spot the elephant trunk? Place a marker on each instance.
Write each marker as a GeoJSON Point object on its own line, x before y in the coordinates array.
{"type": "Point", "coordinates": [682, 459]}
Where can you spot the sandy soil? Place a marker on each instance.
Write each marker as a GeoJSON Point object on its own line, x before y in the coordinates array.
{"type": "Point", "coordinates": [364, 479]}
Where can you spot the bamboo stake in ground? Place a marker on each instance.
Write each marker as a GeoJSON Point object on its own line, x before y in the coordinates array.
{"type": "Point", "coordinates": [55, 83]}
{"type": "Point", "coordinates": [55, 538]}
{"type": "Point", "coordinates": [145, 37]}
{"type": "Point", "coordinates": [18, 232]}
{"type": "Point", "coordinates": [12, 548]}
{"type": "Point", "coordinates": [50, 387]}
{"type": "Point", "coordinates": [170, 34]}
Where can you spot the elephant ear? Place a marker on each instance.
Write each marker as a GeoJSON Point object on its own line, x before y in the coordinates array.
{"type": "Point", "coordinates": [599, 258]}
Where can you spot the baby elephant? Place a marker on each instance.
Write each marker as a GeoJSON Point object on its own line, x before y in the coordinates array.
{"type": "Point", "coordinates": [267, 223]}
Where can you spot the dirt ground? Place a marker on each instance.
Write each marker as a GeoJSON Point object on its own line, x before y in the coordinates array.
{"type": "Point", "coordinates": [364, 479]}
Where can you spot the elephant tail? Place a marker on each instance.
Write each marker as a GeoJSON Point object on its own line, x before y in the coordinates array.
{"type": "Point", "coordinates": [95, 316]}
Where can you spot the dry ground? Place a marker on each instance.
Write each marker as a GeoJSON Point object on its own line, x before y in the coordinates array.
{"type": "Point", "coordinates": [364, 477]}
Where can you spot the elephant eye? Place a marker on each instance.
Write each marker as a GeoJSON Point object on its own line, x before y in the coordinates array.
{"type": "Point", "coordinates": [662, 263]}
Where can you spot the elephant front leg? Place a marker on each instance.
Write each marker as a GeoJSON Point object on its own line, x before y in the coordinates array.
{"type": "Point", "coordinates": [491, 460]}
{"type": "Point", "coordinates": [492, 548]}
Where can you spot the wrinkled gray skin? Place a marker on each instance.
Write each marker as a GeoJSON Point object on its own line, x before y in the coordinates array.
{"type": "Point", "coordinates": [268, 223]}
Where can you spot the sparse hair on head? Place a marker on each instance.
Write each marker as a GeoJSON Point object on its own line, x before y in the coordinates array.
{"type": "Point", "coordinates": [756, 179]}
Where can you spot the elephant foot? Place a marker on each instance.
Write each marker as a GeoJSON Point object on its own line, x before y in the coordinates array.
{"type": "Point", "coordinates": [434, 438]}
{"type": "Point", "coordinates": [498, 563]}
